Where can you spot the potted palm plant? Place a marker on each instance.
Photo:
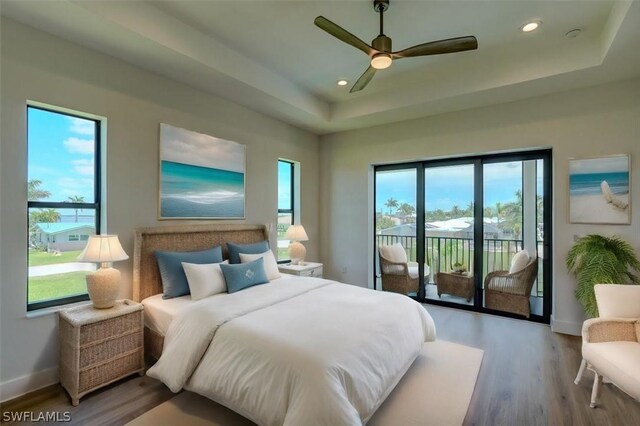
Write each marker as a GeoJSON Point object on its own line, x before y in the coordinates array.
{"type": "Point", "coordinates": [596, 259]}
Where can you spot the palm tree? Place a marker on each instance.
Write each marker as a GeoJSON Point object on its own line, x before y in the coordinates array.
{"type": "Point", "coordinates": [391, 203]}
{"type": "Point", "coordinates": [455, 212]}
{"type": "Point", "coordinates": [34, 192]}
{"type": "Point", "coordinates": [76, 199]}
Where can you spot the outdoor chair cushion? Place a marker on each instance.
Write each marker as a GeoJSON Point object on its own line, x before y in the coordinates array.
{"type": "Point", "coordinates": [394, 253]}
{"type": "Point", "coordinates": [519, 261]}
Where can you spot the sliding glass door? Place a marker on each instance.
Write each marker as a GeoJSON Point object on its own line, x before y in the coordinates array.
{"type": "Point", "coordinates": [449, 229]}
{"type": "Point", "coordinates": [475, 214]}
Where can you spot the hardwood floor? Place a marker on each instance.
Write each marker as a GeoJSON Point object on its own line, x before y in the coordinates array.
{"type": "Point", "coordinates": [526, 379]}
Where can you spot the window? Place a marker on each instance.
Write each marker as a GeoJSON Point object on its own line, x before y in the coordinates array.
{"type": "Point", "coordinates": [63, 169]}
{"type": "Point", "coordinates": [286, 205]}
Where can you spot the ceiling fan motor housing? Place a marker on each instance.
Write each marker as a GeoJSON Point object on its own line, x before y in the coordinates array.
{"type": "Point", "coordinates": [382, 43]}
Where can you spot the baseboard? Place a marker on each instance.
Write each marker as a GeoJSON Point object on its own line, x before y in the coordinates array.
{"type": "Point", "coordinates": [566, 327]}
{"type": "Point", "coordinates": [22, 385]}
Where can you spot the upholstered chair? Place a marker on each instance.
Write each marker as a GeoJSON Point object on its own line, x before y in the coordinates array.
{"type": "Point", "coordinates": [610, 343]}
{"type": "Point", "coordinates": [509, 291]}
{"type": "Point", "coordinates": [398, 274]}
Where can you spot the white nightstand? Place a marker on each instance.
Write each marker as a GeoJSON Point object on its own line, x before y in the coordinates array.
{"type": "Point", "coordinates": [309, 269]}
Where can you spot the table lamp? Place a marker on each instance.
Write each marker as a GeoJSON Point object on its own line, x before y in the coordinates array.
{"type": "Point", "coordinates": [297, 252]}
{"type": "Point", "coordinates": [103, 285]}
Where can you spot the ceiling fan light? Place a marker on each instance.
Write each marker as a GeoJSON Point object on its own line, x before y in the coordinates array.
{"type": "Point", "coordinates": [381, 61]}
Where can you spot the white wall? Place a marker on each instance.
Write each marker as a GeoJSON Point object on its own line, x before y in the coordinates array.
{"type": "Point", "coordinates": [39, 67]}
{"type": "Point", "coordinates": [596, 121]}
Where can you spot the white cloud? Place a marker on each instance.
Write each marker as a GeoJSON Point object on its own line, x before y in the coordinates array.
{"type": "Point", "coordinates": [600, 165]}
{"type": "Point", "coordinates": [187, 147]}
{"type": "Point", "coordinates": [74, 185]}
{"type": "Point", "coordinates": [81, 126]}
{"type": "Point", "coordinates": [83, 166]}
{"type": "Point", "coordinates": [79, 146]}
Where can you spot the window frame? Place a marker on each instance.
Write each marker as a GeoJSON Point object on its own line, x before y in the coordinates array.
{"type": "Point", "coordinates": [96, 205]}
{"type": "Point", "coordinates": [292, 205]}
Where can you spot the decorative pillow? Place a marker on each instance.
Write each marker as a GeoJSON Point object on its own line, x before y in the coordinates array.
{"type": "Point", "coordinates": [174, 281]}
{"type": "Point", "coordinates": [204, 279]}
{"type": "Point", "coordinates": [236, 249]}
{"type": "Point", "coordinates": [519, 261]}
{"type": "Point", "coordinates": [394, 253]}
{"type": "Point", "coordinates": [270, 263]}
{"type": "Point", "coordinates": [244, 275]}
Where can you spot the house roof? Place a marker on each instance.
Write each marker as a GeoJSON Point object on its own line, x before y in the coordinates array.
{"type": "Point", "coordinates": [58, 227]}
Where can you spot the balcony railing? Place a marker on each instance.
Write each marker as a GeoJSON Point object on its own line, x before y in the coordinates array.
{"type": "Point", "coordinates": [442, 253]}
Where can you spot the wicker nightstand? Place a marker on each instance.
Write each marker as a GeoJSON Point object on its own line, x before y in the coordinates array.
{"type": "Point", "coordinates": [99, 346]}
{"type": "Point", "coordinates": [309, 269]}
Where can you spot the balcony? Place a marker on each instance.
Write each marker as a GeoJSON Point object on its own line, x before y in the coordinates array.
{"type": "Point", "coordinates": [443, 252]}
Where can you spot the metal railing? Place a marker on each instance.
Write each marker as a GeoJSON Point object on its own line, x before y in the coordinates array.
{"type": "Point", "coordinates": [445, 252]}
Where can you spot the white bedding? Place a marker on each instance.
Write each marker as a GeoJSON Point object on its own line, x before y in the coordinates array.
{"type": "Point", "coordinates": [159, 312]}
{"type": "Point", "coordinates": [295, 351]}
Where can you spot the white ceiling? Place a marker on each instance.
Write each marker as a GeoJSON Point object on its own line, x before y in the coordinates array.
{"type": "Point", "coordinates": [268, 55]}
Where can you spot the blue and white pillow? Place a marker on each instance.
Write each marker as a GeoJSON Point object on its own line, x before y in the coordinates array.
{"type": "Point", "coordinates": [236, 249]}
{"type": "Point", "coordinates": [244, 275]}
{"type": "Point", "coordinates": [174, 280]}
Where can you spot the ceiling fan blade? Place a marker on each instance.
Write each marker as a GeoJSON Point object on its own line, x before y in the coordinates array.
{"type": "Point", "coordinates": [364, 79]}
{"type": "Point", "coordinates": [451, 45]}
{"type": "Point", "coordinates": [342, 34]}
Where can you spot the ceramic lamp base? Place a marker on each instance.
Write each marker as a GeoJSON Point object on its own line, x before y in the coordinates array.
{"type": "Point", "coordinates": [297, 252]}
{"type": "Point", "coordinates": [103, 287]}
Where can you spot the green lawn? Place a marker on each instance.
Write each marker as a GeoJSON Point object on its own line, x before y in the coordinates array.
{"type": "Point", "coordinates": [37, 257]}
{"type": "Point", "coordinates": [57, 286]}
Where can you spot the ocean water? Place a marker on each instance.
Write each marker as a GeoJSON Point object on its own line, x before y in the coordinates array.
{"type": "Point", "coordinates": [589, 183]}
{"type": "Point", "coordinates": [194, 191]}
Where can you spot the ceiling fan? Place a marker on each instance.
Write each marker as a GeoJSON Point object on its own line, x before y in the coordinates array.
{"type": "Point", "coordinates": [380, 50]}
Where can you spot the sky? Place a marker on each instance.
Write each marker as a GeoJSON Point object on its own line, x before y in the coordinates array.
{"type": "Point", "coordinates": [187, 147]}
{"type": "Point", "coordinates": [600, 165]}
{"type": "Point", "coordinates": [452, 185]}
{"type": "Point", "coordinates": [284, 185]}
{"type": "Point", "coordinates": [61, 154]}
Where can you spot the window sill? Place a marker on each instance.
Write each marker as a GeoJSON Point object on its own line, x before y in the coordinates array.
{"type": "Point", "coordinates": [54, 309]}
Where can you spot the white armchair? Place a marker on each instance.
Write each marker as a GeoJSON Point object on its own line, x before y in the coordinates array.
{"type": "Point", "coordinates": [611, 343]}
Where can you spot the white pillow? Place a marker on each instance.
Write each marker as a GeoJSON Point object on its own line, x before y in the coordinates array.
{"type": "Point", "coordinates": [519, 261]}
{"type": "Point", "coordinates": [204, 279]}
{"type": "Point", "coordinates": [270, 263]}
{"type": "Point", "coordinates": [394, 253]}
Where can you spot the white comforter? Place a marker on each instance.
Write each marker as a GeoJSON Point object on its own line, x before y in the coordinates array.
{"type": "Point", "coordinates": [295, 351]}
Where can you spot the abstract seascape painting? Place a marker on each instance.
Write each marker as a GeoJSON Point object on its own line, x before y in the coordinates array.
{"type": "Point", "coordinates": [599, 190]}
{"type": "Point", "coordinates": [201, 176]}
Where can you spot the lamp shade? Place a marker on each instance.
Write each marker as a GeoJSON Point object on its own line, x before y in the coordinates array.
{"type": "Point", "coordinates": [296, 233]}
{"type": "Point", "coordinates": [103, 248]}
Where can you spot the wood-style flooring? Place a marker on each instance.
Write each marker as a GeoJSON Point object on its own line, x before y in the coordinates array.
{"type": "Point", "coordinates": [526, 379]}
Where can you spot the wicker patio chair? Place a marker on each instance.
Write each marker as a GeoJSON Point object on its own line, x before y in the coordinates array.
{"type": "Point", "coordinates": [510, 292]}
{"type": "Point", "coordinates": [398, 275]}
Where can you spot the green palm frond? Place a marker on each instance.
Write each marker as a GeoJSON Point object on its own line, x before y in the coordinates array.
{"type": "Point", "coordinates": [596, 259]}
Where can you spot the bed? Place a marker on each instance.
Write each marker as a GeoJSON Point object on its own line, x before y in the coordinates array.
{"type": "Point", "coordinates": [286, 352]}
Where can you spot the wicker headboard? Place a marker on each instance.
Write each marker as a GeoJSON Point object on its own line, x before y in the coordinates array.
{"type": "Point", "coordinates": [146, 276]}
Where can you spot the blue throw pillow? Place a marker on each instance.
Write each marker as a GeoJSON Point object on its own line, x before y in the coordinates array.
{"type": "Point", "coordinates": [236, 249]}
{"type": "Point", "coordinates": [174, 280]}
{"type": "Point", "coordinates": [244, 275]}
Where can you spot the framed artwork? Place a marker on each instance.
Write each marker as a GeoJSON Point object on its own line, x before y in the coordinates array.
{"type": "Point", "coordinates": [600, 190]}
{"type": "Point", "coordinates": [201, 176]}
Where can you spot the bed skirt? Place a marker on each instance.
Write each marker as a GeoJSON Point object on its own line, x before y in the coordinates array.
{"type": "Point", "coordinates": [153, 343]}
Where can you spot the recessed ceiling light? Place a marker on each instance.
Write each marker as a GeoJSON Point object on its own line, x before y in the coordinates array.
{"type": "Point", "coordinates": [342, 82]}
{"type": "Point", "coordinates": [530, 26]}
{"type": "Point", "coordinates": [573, 33]}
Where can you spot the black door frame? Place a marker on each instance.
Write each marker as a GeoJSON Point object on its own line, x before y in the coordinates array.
{"type": "Point", "coordinates": [478, 161]}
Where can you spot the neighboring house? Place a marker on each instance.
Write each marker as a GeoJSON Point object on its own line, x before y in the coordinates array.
{"type": "Point", "coordinates": [64, 236]}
